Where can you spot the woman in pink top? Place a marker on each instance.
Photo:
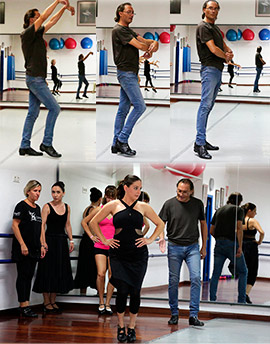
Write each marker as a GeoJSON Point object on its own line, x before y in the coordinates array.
{"type": "Point", "coordinates": [102, 251]}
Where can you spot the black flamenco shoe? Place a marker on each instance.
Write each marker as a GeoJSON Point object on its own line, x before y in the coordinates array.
{"type": "Point", "coordinates": [131, 335]}
{"type": "Point", "coordinates": [57, 309]}
{"type": "Point", "coordinates": [121, 334]}
{"type": "Point", "coordinates": [48, 310]}
{"type": "Point", "coordinates": [27, 312]}
{"type": "Point", "coordinates": [101, 309]}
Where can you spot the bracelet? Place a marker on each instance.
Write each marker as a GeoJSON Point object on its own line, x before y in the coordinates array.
{"type": "Point", "coordinates": [43, 246]}
{"type": "Point", "coordinates": [71, 241]}
{"type": "Point", "coordinates": [92, 236]}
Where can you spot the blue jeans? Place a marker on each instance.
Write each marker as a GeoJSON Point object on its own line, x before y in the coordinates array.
{"type": "Point", "coordinates": [191, 255]}
{"type": "Point", "coordinates": [226, 249]}
{"type": "Point", "coordinates": [39, 93]}
{"type": "Point", "coordinates": [82, 79]}
{"type": "Point", "coordinates": [211, 81]}
{"type": "Point", "coordinates": [256, 82]}
{"type": "Point", "coordinates": [130, 93]}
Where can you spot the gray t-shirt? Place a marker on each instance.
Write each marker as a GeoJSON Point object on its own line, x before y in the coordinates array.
{"type": "Point", "coordinates": [126, 56]}
{"type": "Point", "coordinates": [182, 220]}
{"type": "Point", "coordinates": [225, 221]}
{"type": "Point", "coordinates": [206, 32]}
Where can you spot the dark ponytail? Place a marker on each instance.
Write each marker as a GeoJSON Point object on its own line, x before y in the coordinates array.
{"type": "Point", "coordinates": [29, 14]}
{"type": "Point", "coordinates": [60, 184]}
{"type": "Point", "coordinates": [128, 180]}
{"type": "Point", "coordinates": [205, 5]}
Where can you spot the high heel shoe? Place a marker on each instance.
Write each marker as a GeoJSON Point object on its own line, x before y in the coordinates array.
{"type": "Point", "coordinates": [27, 312]}
{"type": "Point", "coordinates": [108, 310]}
{"type": "Point", "coordinates": [57, 309]}
{"type": "Point", "coordinates": [121, 334]}
{"type": "Point", "coordinates": [131, 335]}
{"type": "Point", "coordinates": [48, 310]}
{"type": "Point", "coordinates": [101, 309]}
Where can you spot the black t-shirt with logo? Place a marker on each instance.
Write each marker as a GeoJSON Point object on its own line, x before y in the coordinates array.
{"type": "Point", "coordinates": [30, 229]}
{"type": "Point", "coordinates": [182, 220]}
{"type": "Point", "coordinates": [34, 51]}
{"type": "Point", "coordinates": [225, 221]}
{"type": "Point", "coordinates": [206, 32]}
{"type": "Point", "coordinates": [126, 56]}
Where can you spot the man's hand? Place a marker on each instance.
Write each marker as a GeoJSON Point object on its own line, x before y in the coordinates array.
{"type": "Point", "coordinates": [64, 2]}
{"type": "Point", "coordinates": [162, 245]}
{"type": "Point", "coordinates": [228, 56]}
{"type": "Point", "coordinates": [153, 47]}
{"type": "Point", "coordinates": [239, 252]}
{"type": "Point", "coordinates": [203, 252]}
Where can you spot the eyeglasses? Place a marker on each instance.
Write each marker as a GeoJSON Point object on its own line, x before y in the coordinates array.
{"type": "Point", "coordinates": [129, 12]}
{"type": "Point", "coordinates": [212, 8]}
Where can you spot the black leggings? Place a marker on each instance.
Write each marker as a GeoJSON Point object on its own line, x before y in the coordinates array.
{"type": "Point", "coordinates": [123, 289]}
{"type": "Point", "coordinates": [148, 78]}
{"type": "Point", "coordinates": [232, 76]}
{"type": "Point", "coordinates": [57, 84]}
{"type": "Point", "coordinates": [25, 269]}
{"type": "Point", "coordinates": [250, 250]}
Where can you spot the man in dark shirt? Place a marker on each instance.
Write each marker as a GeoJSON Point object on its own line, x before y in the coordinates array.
{"type": "Point", "coordinates": [182, 214]}
{"type": "Point", "coordinates": [227, 229]}
{"type": "Point", "coordinates": [259, 67]}
{"type": "Point", "coordinates": [126, 46]}
{"type": "Point", "coordinates": [213, 52]}
{"type": "Point", "coordinates": [34, 51]}
{"type": "Point", "coordinates": [82, 78]}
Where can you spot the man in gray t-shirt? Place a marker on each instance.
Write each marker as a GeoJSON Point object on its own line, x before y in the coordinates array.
{"type": "Point", "coordinates": [126, 45]}
{"type": "Point", "coordinates": [181, 214]}
{"type": "Point", "coordinates": [226, 228]}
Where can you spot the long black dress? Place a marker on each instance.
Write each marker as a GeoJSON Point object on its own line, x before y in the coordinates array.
{"type": "Point", "coordinates": [54, 273]}
{"type": "Point", "coordinates": [128, 262]}
{"type": "Point", "coordinates": [86, 274]}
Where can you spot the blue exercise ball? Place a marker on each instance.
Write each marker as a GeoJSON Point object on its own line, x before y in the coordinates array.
{"type": "Point", "coordinates": [62, 43]}
{"type": "Point", "coordinates": [156, 36]}
{"type": "Point", "coordinates": [239, 34]}
{"type": "Point", "coordinates": [86, 43]}
{"type": "Point", "coordinates": [54, 44]}
{"type": "Point", "coordinates": [264, 35]}
{"type": "Point", "coordinates": [231, 35]}
{"type": "Point", "coordinates": [148, 35]}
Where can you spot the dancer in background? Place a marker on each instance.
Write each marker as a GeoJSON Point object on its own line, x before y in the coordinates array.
{"type": "Point", "coordinates": [231, 65]}
{"type": "Point", "coordinates": [250, 245]}
{"type": "Point", "coordinates": [57, 82]}
{"type": "Point", "coordinates": [128, 253]}
{"type": "Point", "coordinates": [82, 78]}
{"type": "Point", "coordinates": [86, 274]}
{"type": "Point", "coordinates": [102, 251]}
{"type": "Point", "coordinates": [54, 275]}
{"type": "Point", "coordinates": [34, 51]}
{"type": "Point", "coordinates": [147, 73]}
{"type": "Point", "coordinates": [259, 61]}
{"type": "Point", "coordinates": [27, 244]}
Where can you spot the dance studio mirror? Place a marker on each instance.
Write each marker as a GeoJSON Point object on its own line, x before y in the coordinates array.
{"type": "Point", "coordinates": [64, 49]}
{"type": "Point", "coordinates": [212, 184]}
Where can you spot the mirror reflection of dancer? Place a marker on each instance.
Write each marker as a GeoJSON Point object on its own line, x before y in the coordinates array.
{"type": "Point", "coordinates": [250, 245]}
{"type": "Point", "coordinates": [213, 52]}
{"type": "Point", "coordinates": [34, 51]}
{"type": "Point", "coordinates": [147, 74]}
{"type": "Point", "coordinates": [231, 65]}
{"type": "Point", "coordinates": [126, 46]}
{"type": "Point", "coordinates": [259, 67]}
{"type": "Point", "coordinates": [128, 249]}
{"type": "Point", "coordinates": [57, 83]}
{"type": "Point", "coordinates": [82, 78]}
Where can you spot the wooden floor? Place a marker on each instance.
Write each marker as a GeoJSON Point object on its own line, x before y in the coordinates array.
{"type": "Point", "coordinates": [80, 325]}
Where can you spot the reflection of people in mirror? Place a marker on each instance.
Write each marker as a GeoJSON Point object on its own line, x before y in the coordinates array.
{"type": "Point", "coordinates": [231, 66]}
{"type": "Point", "coordinates": [82, 78]}
{"type": "Point", "coordinates": [222, 229]}
{"type": "Point", "coordinates": [182, 213]}
{"type": "Point", "coordinates": [259, 67]}
{"type": "Point", "coordinates": [250, 245]}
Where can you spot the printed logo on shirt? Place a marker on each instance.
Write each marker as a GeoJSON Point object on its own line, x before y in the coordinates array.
{"type": "Point", "coordinates": [34, 217]}
{"type": "Point", "coordinates": [17, 214]}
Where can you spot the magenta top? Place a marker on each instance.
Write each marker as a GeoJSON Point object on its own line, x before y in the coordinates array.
{"type": "Point", "coordinates": [107, 229]}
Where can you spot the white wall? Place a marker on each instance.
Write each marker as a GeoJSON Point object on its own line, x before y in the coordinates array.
{"type": "Point", "coordinates": [15, 11]}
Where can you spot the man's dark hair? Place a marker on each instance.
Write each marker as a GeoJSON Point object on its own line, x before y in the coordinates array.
{"type": "Point", "coordinates": [186, 181]}
{"type": "Point", "coordinates": [259, 49]}
{"type": "Point", "coordinates": [120, 8]}
{"type": "Point", "coordinates": [235, 198]}
{"type": "Point", "coordinates": [29, 14]}
{"type": "Point", "coordinates": [205, 5]}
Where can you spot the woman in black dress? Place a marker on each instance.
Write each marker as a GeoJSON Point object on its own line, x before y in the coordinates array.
{"type": "Point", "coordinates": [56, 81]}
{"type": "Point", "coordinates": [86, 274]}
{"type": "Point", "coordinates": [128, 252]}
{"type": "Point", "coordinates": [54, 273]}
{"type": "Point", "coordinates": [27, 245]}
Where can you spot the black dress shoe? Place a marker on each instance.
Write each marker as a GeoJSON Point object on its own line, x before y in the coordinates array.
{"type": "Point", "coordinates": [85, 96]}
{"type": "Point", "coordinates": [195, 321]}
{"type": "Point", "coordinates": [78, 98]}
{"type": "Point", "coordinates": [48, 310]}
{"type": "Point", "coordinates": [208, 146]}
{"type": "Point", "coordinates": [29, 151]}
{"type": "Point", "coordinates": [173, 320]}
{"type": "Point", "coordinates": [230, 86]}
{"type": "Point", "coordinates": [27, 312]}
{"type": "Point", "coordinates": [154, 89]}
{"type": "Point", "coordinates": [248, 299]}
{"type": "Point", "coordinates": [121, 334]}
{"type": "Point", "coordinates": [114, 150]}
{"type": "Point", "coordinates": [202, 152]}
{"type": "Point", "coordinates": [50, 151]}
{"type": "Point", "coordinates": [131, 335]}
{"type": "Point", "coordinates": [146, 89]}
{"type": "Point", "coordinates": [124, 149]}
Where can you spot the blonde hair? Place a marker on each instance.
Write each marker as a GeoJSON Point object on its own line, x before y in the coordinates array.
{"type": "Point", "coordinates": [30, 185]}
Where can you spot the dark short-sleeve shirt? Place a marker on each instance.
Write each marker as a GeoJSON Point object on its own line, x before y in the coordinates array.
{"type": "Point", "coordinates": [34, 51]}
{"type": "Point", "coordinates": [206, 32]}
{"type": "Point", "coordinates": [126, 56]}
{"type": "Point", "coordinates": [258, 61]}
{"type": "Point", "coordinates": [225, 221]}
{"type": "Point", "coordinates": [30, 229]}
{"type": "Point", "coordinates": [54, 72]}
{"type": "Point", "coordinates": [182, 220]}
{"type": "Point", "coordinates": [81, 68]}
